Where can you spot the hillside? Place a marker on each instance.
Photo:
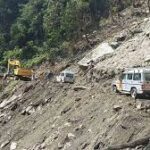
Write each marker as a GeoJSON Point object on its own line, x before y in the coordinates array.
{"type": "Point", "coordinates": [128, 48]}
{"type": "Point", "coordinates": [45, 115]}
{"type": "Point", "coordinates": [36, 30]}
{"type": "Point", "coordinates": [55, 116]}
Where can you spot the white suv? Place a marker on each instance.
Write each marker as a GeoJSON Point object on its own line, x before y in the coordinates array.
{"type": "Point", "coordinates": [66, 76]}
{"type": "Point", "coordinates": [133, 81]}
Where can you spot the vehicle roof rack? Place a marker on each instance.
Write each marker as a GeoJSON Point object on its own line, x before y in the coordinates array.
{"type": "Point", "coordinates": [137, 68]}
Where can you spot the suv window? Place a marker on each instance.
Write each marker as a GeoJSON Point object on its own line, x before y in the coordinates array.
{"type": "Point", "coordinates": [147, 76]}
{"type": "Point", "coordinates": [137, 76]}
{"type": "Point", "coordinates": [123, 76]}
{"type": "Point", "coordinates": [129, 76]}
{"type": "Point", "coordinates": [69, 75]}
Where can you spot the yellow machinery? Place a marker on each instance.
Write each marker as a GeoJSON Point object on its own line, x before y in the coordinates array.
{"type": "Point", "coordinates": [14, 69]}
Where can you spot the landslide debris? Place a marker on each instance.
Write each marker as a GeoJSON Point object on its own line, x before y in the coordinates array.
{"type": "Point", "coordinates": [55, 116]}
{"type": "Point", "coordinates": [45, 115]}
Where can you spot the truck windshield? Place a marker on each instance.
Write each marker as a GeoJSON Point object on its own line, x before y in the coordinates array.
{"type": "Point", "coordinates": [147, 76]}
{"type": "Point", "coordinates": [122, 76]}
{"type": "Point", "coordinates": [69, 75]}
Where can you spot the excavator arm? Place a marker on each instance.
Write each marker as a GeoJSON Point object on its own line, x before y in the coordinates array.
{"type": "Point", "coordinates": [13, 63]}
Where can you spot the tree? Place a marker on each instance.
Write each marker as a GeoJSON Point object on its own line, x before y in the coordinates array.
{"type": "Point", "coordinates": [32, 25]}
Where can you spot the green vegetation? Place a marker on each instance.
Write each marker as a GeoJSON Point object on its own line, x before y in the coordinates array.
{"type": "Point", "coordinates": [34, 30]}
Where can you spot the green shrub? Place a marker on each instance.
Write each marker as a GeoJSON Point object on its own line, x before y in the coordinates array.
{"type": "Point", "coordinates": [104, 22]}
{"type": "Point", "coordinates": [35, 61]}
{"type": "Point", "coordinates": [11, 54]}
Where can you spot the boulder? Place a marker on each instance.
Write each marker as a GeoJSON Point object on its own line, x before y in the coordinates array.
{"type": "Point", "coordinates": [78, 88]}
{"type": "Point", "coordinates": [121, 37]}
{"type": "Point", "coordinates": [4, 144]}
{"type": "Point", "coordinates": [117, 108]}
{"type": "Point", "coordinates": [8, 101]}
{"type": "Point", "coordinates": [148, 33]}
{"type": "Point", "coordinates": [65, 110]}
{"type": "Point", "coordinates": [28, 110]}
{"type": "Point", "coordinates": [85, 145]}
{"type": "Point", "coordinates": [136, 31]}
{"type": "Point", "coordinates": [80, 127]}
{"type": "Point", "coordinates": [96, 54]}
{"type": "Point", "coordinates": [139, 106]}
{"type": "Point", "coordinates": [71, 136]}
{"type": "Point", "coordinates": [77, 99]}
{"type": "Point", "coordinates": [114, 45]}
{"type": "Point", "coordinates": [13, 146]}
{"type": "Point", "coordinates": [60, 145]}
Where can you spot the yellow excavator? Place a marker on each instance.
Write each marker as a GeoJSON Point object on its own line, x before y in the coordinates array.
{"type": "Point", "coordinates": [15, 70]}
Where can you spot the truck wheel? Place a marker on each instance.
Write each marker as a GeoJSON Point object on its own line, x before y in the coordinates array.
{"type": "Point", "coordinates": [134, 93]}
{"type": "Point", "coordinates": [16, 78]}
{"type": "Point", "coordinates": [114, 89]}
{"type": "Point", "coordinates": [63, 80]}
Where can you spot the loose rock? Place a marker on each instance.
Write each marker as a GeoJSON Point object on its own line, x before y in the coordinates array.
{"type": "Point", "coordinates": [117, 108]}
{"type": "Point", "coordinates": [13, 146]}
{"type": "Point", "coordinates": [5, 143]}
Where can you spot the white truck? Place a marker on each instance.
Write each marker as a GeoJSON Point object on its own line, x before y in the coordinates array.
{"type": "Point", "coordinates": [134, 81]}
{"type": "Point", "coordinates": [66, 76]}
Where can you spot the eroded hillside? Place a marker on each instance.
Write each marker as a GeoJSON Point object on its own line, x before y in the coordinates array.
{"type": "Point", "coordinates": [45, 115]}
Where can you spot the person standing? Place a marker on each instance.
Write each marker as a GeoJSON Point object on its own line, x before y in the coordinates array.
{"type": "Point", "coordinates": [91, 66]}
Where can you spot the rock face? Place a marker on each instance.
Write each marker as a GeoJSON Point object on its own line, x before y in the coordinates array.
{"type": "Point", "coordinates": [130, 48]}
{"type": "Point", "coordinates": [96, 54]}
{"type": "Point", "coordinates": [117, 108]}
{"type": "Point", "coordinates": [132, 52]}
{"type": "Point", "coordinates": [4, 144]}
{"type": "Point", "coordinates": [8, 101]}
{"type": "Point", "coordinates": [13, 146]}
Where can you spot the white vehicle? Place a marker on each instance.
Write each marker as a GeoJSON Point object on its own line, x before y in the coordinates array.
{"type": "Point", "coordinates": [134, 81]}
{"type": "Point", "coordinates": [66, 76]}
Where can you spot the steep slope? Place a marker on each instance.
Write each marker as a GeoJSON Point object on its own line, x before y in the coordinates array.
{"type": "Point", "coordinates": [128, 48]}
{"type": "Point", "coordinates": [133, 50]}
{"type": "Point", "coordinates": [45, 115]}
{"type": "Point", "coordinates": [57, 116]}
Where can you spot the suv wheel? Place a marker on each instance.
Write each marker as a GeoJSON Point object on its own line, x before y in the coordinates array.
{"type": "Point", "coordinates": [114, 89]}
{"type": "Point", "coordinates": [134, 93]}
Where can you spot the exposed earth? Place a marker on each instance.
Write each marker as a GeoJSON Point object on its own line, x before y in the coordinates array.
{"type": "Point", "coordinates": [63, 116]}
{"type": "Point", "coordinates": [46, 115]}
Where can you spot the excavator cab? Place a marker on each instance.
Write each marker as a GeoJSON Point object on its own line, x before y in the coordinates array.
{"type": "Point", "coordinates": [12, 65]}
